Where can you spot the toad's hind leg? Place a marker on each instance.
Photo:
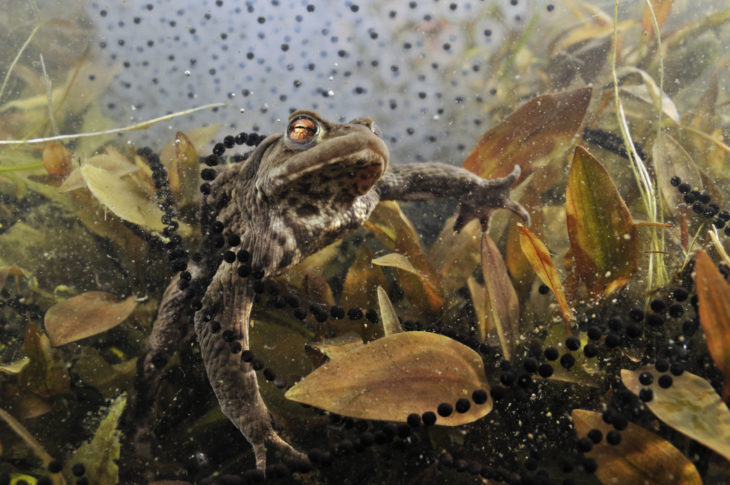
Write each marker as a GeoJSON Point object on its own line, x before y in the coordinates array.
{"type": "Point", "coordinates": [228, 301]}
{"type": "Point", "coordinates": [170, 331]}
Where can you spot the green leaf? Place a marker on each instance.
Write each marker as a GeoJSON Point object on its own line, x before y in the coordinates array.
{"type": "Point", "coordinates": [14, 367]}
{"type": "Point", "coordinates": [603, 237]}
{"type": "Point", "coordinates": [99, 456]}
{"type": "Point", "coordinates": [125, 198]}
{"type": "Point", "coordinates": [409, 372]}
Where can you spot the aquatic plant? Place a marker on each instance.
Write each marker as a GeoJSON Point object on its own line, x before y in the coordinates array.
{"type": "Point", "coordinates": [588, 346]}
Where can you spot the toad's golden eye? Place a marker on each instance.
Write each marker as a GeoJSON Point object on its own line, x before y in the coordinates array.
{"type": "Point", "coordinates": [302, 130]}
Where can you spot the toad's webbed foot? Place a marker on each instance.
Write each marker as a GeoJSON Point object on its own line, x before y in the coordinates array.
{"type": "Point", "coordinates": [485, 198]}
{"type": "Point", "coordinates": [222, 328]}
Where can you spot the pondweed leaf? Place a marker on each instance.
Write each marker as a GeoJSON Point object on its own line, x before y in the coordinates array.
{"type": "Point", "coordinates": [126, 199]}
{"type": "Point", "coordinates": [24, 403]}
{"type": "Point", "coordinates": [539, 258]}
{"type": "Point", "coordinates": [14, 367]}
{"type": "Point", "coordinates": [94, 120]}
{"type": "Point", "coordinates": [420, 290]}
{"type": "Point", "coordinates": [713, 293]}
{"type": "Point", "coordinates": [641, 456]}
{"type": "Point", "coordinates": [603, 237]}
{"type": "Point", "coordinates": [56, 159]}
{"type": "Point", "coordinates": [541, 127]}
{"type": "Point", "coordinates": [396, 233]}
{"type": "Point", "coordinates": [333, 348]}
{"type": "Point", "coordinates": [393, 229]}
{"type": "Point", "coordinates": [455, 255]}
{"type": "Point", "coordinates": [85, 315]}
{"type": "Point", "coordinates": [501, 306]}
{"type": "Point", "coordinates": [649, 93]}
{"type": "Point", "coordinates": [388, 315]}
{"type": "Point", "coordinates": [45, 374]}
{"type": "Point", "coordinates": [108, 379]}
{"type": "Point", "coordinates": [409, 372]}
{"type": "Point", "coordinates": [100, 455]}
{"type": "Point", "coordinates": [180, 158]}
{"type": "Point", "coordinates": [519, 267]}
{"type": "Point", "coordinates": [585, 58]}
{"type": "Point", "coordinates": [690, 405]}
{"type": "Point", "coordinates": [112, 161]}
{"type": "Point", "coordinates": [362, 280]}
{"type": "Point", "coordinates": [662, 9]}
{"type": "Point", "coordinates": [310, 282]}
{"type": "Point", "coordinates": [6, 271]}
{"type": "Point", "coordinates": [671, 159]}
{"type": "Point", "coordinates": [705, 119]}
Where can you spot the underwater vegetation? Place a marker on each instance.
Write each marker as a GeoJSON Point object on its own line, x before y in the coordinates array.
{"type": "Point", "coordinates": [588, 344]}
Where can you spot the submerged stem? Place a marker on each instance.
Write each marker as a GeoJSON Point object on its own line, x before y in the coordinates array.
{"type": "Point", "coordinates": [639, 169]}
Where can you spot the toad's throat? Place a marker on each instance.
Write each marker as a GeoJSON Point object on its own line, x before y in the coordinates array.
{"type": "Point", "coordinates": [354, 174]}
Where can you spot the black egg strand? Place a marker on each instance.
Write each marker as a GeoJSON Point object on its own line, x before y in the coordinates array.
{"type": "Point", "coordinates": [701, 203]}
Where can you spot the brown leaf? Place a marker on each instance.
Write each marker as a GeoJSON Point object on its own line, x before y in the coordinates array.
{"type": "Point", "coordinates": [662, 9]}
{"type": "Point", "coordinates": [690, 405]}
{"type": "Point", "coordinates": [85, 315]}
{"type": "Point", "coordinates": [56, 159]}
{"type": "Point", "coordinates": [420, 283]}
{"type": "Point", "coordinates": [640, 457]}
{"type": "Point", "coordinates": [455, 255]}
{"type": "Point", "coordinates": [585, 59]}
{"type": "Point", "coordinates": [502, 308]}
{"type": "Point", "coordinates": [6, 271]}
{"type": "Point", "coordinates": [713, 293]}
{"type": "Point", "coordinates": [517, 264]}
{"type": "Point", "coordinates": [25, 404]}
{"type": "Point", "coordinates": [410, 372]}
{"type": "Point", "coordinates": [602, 234]}
{"type": "Point", "coordinates": [333, 348]}
{"type": "Point", "coordinates": [541, 127]}
{"type": "Point", "coordinates": [539, 258]}
{"type": "Point", "coordinates": [45, 374]}
{"type": "Point", "coordinates": [417, 286]}
{"type": "Point", "coordinates": [362, 280]}
{"type": "Point", "coordinates": [180, 158]}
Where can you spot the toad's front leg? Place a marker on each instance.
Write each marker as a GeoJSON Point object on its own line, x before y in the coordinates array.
{"type": "Point", "coordinates": [221, 326]}
{"type": "Point", "coordinates": [477, 197]}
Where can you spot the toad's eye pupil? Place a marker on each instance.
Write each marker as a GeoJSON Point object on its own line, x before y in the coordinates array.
{"type": "Point", "coordinates": [302, 129]}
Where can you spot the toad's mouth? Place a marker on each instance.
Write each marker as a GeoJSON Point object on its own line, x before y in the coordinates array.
{"type": "Point", "coordinates": [348, 166]}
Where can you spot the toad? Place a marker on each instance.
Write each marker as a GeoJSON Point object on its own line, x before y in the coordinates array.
{"type": "Point", "coordinates": [297, 192]}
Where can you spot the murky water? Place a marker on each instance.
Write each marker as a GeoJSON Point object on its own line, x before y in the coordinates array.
{"type": "Point", "coordinates": [585, 347]}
